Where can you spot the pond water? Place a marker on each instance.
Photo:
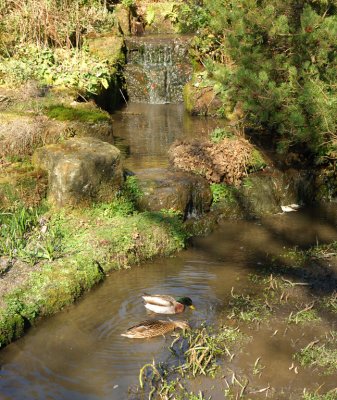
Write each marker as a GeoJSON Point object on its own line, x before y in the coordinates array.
{"type": "Point", "coordinates": [80, 354]}
{"type": "Point", "coordinates": [144, 132]}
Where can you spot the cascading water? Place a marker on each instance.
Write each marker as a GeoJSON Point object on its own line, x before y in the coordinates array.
{"type": "Point", "coordinates": [157, 68]}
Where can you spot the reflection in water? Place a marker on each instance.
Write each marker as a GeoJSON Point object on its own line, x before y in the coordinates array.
{"type": "Point", "coordinates": [145, 132]}
{"type": "Point", "coordinates": [79, 353]}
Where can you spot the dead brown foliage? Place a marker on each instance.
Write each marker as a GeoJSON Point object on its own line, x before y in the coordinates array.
{"type": "Point", "coordinates": [226, 161]}
{"type": "Point", "coordinates": [21, 136]}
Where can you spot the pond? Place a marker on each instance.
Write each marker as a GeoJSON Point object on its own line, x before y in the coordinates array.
{"type": "Point", "coordinates": [80, 353]}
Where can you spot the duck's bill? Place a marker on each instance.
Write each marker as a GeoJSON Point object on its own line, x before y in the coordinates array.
{"type": "Point", "coordinates": [192, 307]}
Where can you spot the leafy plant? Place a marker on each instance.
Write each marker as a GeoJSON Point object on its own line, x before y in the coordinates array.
{"type": "Point", "coordinates": [222, 192]}
{"type": "Point", "coordinates": [76, 69]}
{"type": "Point", "coordinates": [219, 134]}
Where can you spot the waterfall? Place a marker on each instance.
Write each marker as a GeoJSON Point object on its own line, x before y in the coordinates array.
{"type": "Point", "coordinates": [157, 68]}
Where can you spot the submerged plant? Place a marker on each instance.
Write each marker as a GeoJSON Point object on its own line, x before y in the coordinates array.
{"type": "Point", "coordinates": [246, 308]}
{"type": "Point", "coordinates": [320, 355]}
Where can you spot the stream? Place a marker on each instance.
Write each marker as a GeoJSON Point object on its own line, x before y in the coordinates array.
{"type": "Point", "coordinates": [80, 354]}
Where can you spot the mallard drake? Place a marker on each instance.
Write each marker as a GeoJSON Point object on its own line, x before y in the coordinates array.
{"type": "Point", "coordinates": [163, 304]}
{"type": "Point", "coordinates": [154, 327]}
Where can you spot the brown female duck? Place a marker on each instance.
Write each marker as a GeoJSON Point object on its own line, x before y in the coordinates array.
{"type": "Point", "coordinates": [154, 327]}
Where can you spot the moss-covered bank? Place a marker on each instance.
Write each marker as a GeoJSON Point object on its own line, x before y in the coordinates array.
{"type": "Point", "coordinates": [71, 251]}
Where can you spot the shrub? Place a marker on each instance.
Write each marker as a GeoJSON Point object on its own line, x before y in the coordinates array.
{"type": "Point", "coordinates": [278, 59]}
{"type": "Point", "coordinates": [72, 68]}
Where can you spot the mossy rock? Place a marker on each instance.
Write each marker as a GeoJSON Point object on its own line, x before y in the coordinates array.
{"type": "Point", "coordinates": [107, 47]}
{"type": "Point", "coordinates": [156, 16]}
{"type": "Point", "coordinates": [201, 100]}
{"type": "Point", "coordinates": [80, 171]}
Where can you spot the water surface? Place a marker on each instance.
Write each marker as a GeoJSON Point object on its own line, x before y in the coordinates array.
{"type": "Point", "coordinates": [79, 353]}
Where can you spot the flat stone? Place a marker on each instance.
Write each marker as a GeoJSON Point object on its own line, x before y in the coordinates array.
{"type": "Point", "coordinates": [80, 171]}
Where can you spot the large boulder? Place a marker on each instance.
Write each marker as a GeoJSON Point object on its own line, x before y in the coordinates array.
{"type": "Point", "coordinates": [170, 190]}
{"type": "Point", "coordinates": [80, 171]}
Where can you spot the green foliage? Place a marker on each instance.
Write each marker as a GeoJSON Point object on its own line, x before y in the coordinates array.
{"type": "Point", "coordinates": [188, 16]}
{"type": "Point", "coordinates": [278, 59]}
{"type": "Point", "coordinates": [128, 3]}
{"type": "Point", "coordinates": [256, 161]}
{"type": "Point", "coordinates": [222, 192]}
{"type": "Point", "coordinates": [219, 134]}
{"type": "Point", "coordinates": [320, 355]}
{"type": "Point", "coordinates": [24, 235]}
{"type": "Point", "coordinates": [14, 230]}
{"type": "Point", "coordinates": [331, 395]}
{"type": "Point", "coordinates": [76, 69]}
{"type": "Point", "coordinates": [65, 113]}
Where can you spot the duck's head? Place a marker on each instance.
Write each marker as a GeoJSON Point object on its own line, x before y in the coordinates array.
{"type": "Point", "coordinates": [182, 325]}
{"type": "Point", "coordinates": [186, 301]}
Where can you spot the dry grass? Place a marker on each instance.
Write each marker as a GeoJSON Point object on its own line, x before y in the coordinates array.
{"type": "Point", "coordinates": [20, 136]}
{"type": "Point", "coordinates": [57, 23]}
{"type": "Point", "coordinates": [226, 161]}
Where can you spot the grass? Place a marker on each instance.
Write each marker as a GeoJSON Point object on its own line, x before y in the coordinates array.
{"type": "Point", "coordinates": [247, 309]}
{"type": "Point", "coordinates": [66, 113]}
{"type": "Point", "coordinates": [196, 352]}
{"type": "Point", "coordinates": [307, 314]}
{"type": "Point", "coordinates": [331, 395]}
{"type": "Point", "coordinates": [223, 193]}
{"type": "Point", "coordinates": [73, 249]}
{"type": "Point", "coordinates": [320, 355]}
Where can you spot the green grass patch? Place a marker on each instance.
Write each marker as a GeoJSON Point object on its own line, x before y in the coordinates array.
{"type": "Point", "coordinates": [303, 316]}
{"type": "Point", "coordinates": [256, 161]}
{"type": "Point", "coordinates": [247, 309]}
{"type": "Point", "coordinates": [223, 193]}
{"type": "Point", "coordinates": [218, 134]}
{"type": "Point", "coordinates": [331, 395]}
{"type": "Point", "coordinates": [65, 113]}
{"type": "Point", "coordinates": [320, 355]}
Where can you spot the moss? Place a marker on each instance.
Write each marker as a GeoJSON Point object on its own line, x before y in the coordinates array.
{"type": "Point", "coordinates": [256, 161]}
{"type": "Point", "coordinates": [107, 47]}
{"type": "Point", "coordinates": [188, 98]}
{"type": "Point", "coordinates": [11, 326]}
{"type": "Point", "coordinates": [65, 113]}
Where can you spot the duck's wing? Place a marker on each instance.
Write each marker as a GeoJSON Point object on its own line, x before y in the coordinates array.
{"type": "Point", "coordinates": [143, 326]}
{"type": "Point", "coordinates": [159, 300]}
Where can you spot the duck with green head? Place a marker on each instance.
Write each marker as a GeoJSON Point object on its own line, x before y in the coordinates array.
{"type": "Point", "coordinates": [163, 304]}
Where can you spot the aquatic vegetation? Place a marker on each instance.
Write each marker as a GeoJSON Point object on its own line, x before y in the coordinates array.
{"type": "Point", "coordinates": [330, 302]}
{"type": "Point", "coordinates": [307, 314]}
{"type": "Point", "coordinates": [196, 352]}
{"type": "Point", "coordinates": [331, 395]}
{"type": "Point", "coordinates": [322, 355]}
{"type": "Point", "coordinates": [219, 134]}
{"type": "Point", "coordinates": [247, 308]}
